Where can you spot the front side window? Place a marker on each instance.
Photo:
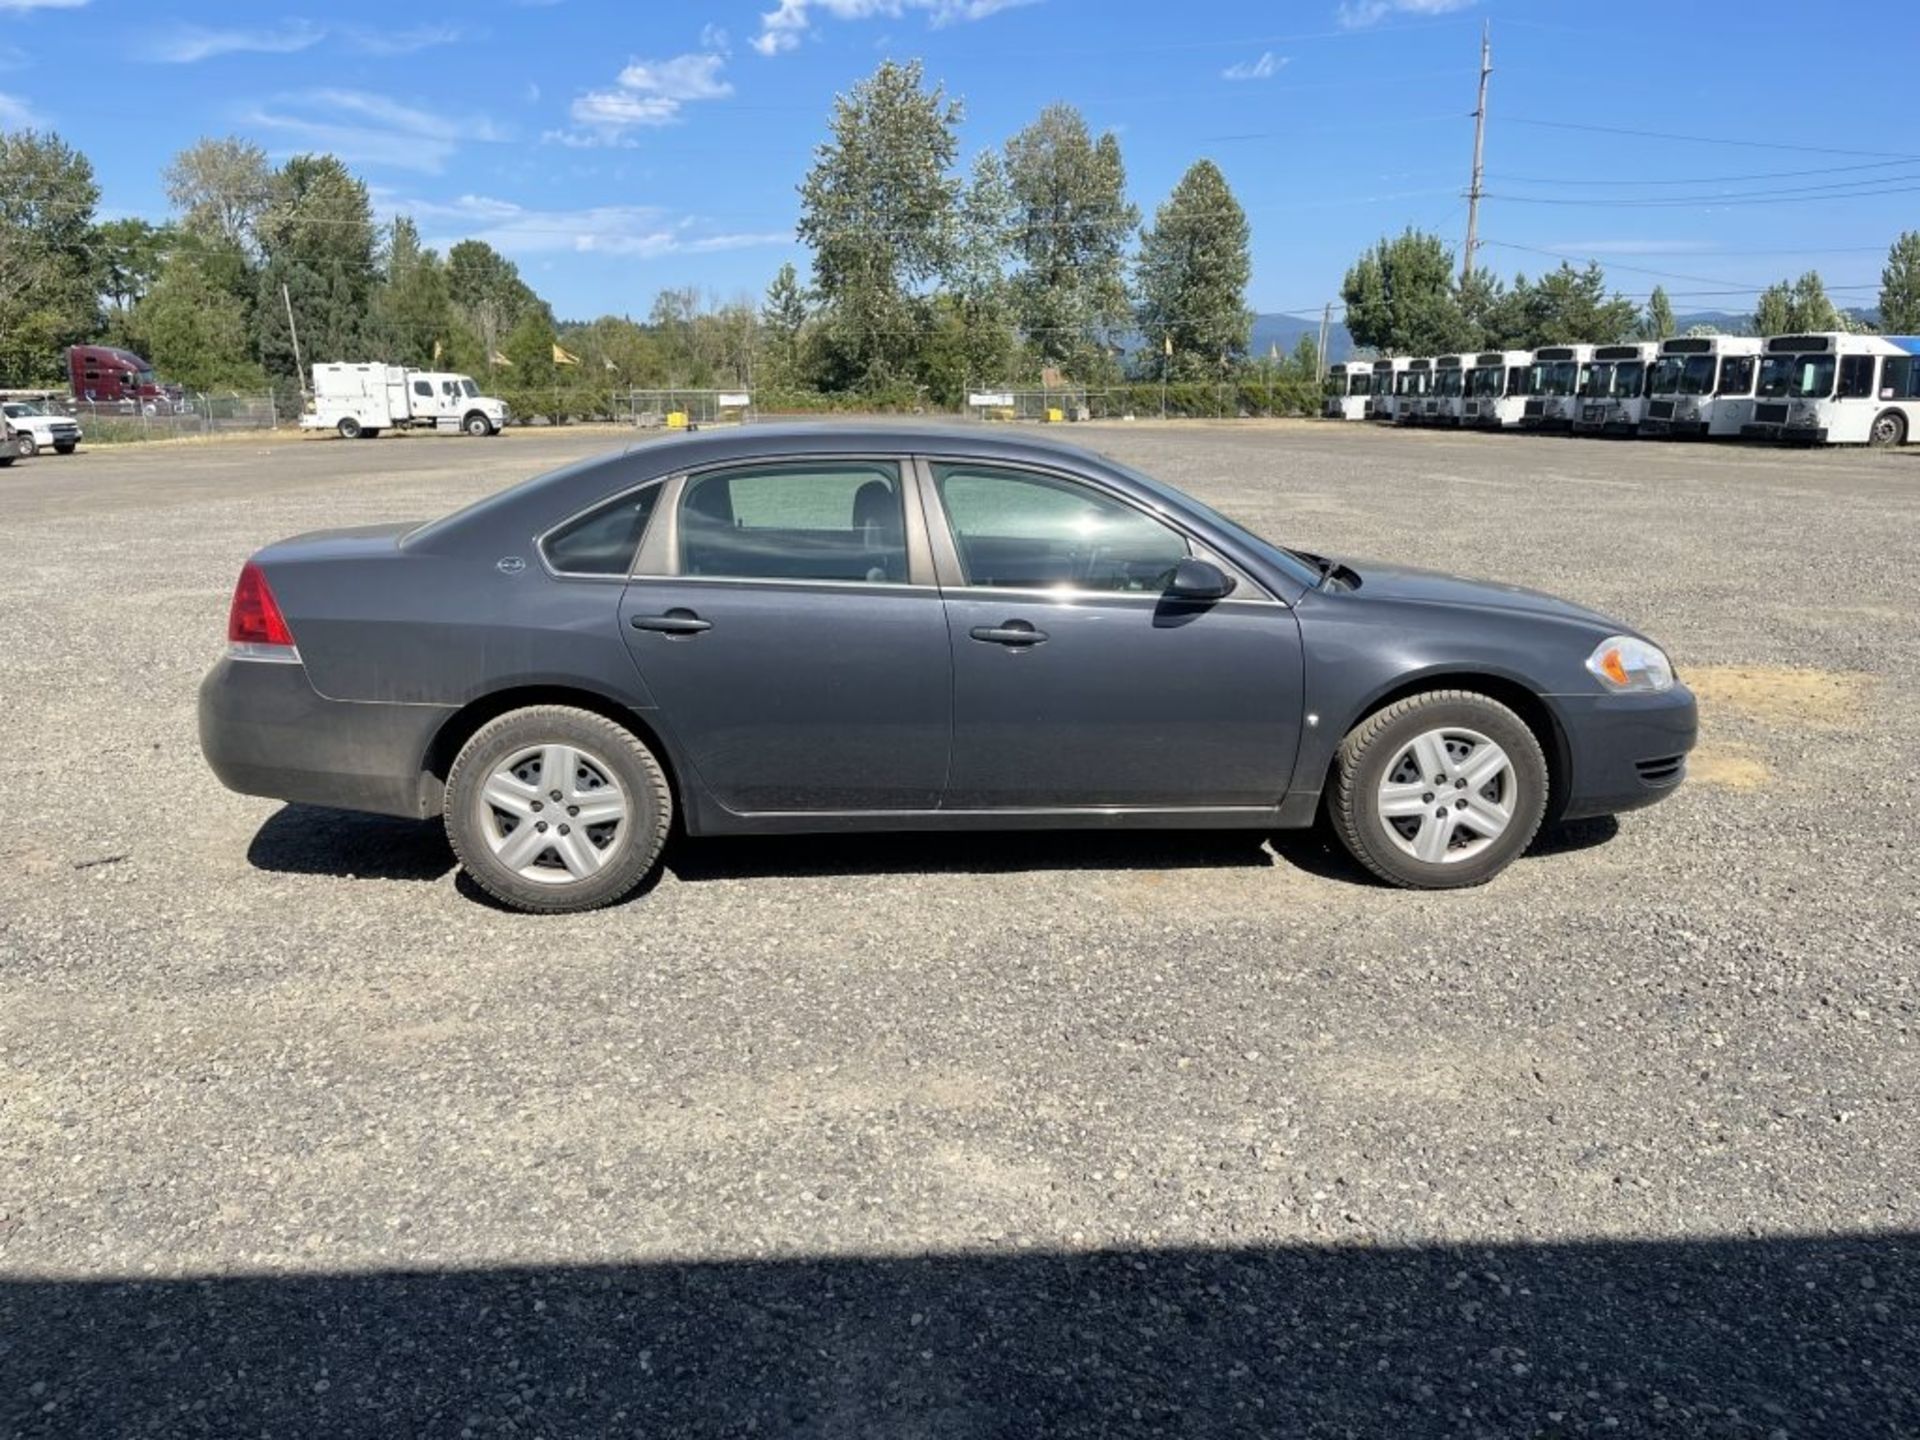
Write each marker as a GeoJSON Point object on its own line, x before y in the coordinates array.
{"type": "Point", "coordinates": [469, 389]}
{"type": "Point", "coordinates": [1856, 376]}
{"type": "Point", "coordinates": [603, 541]}
{"type": "Point", "coordinates": [838, 520]}
{"type": "Point", "coordinates": [1021, 531]}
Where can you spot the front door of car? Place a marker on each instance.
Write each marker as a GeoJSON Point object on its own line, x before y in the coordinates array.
{"type": "Point", "coordinates": [1078, 682]}
{"type": "Point", "coordinates": [793, 637]}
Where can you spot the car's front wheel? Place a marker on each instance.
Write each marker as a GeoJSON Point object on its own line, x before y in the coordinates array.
{"type": "Point", "coordinates": [29, 445]}
{"type": "Point", "coordinates": [1440, 790]}
{"type": "Point", "coordinates": [553, 809]}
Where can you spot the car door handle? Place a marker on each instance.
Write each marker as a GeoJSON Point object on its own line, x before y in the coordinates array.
{"type": "Point", "coordinates": [674, 622]}
{"type": "Point", "coordinates": [1014, 632]}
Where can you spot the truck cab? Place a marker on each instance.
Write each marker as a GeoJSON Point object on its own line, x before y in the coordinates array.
{"type": "Point", "coordinates": [108, 375]}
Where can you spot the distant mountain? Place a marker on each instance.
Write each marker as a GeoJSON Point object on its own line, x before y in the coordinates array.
{"type": "Point", "coordinates": [1284, 331]}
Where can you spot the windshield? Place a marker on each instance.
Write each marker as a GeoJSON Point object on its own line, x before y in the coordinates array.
{"type": "Point", "coordinates": [1361, 384]}
{"type": "Point", "coordinates": [1682, 375]}
{"type": "Point", "coordinates": [1627, 377]}
{"type": "Point", "coordinates": [469, 389]}
{"type": "Point", "coordinates": [1446, 382]}
{"type": "Point", "coordinates": [21, 407]}
{"type": "Point", "coordinates": [1486, 380]}
{"type": "Point", "coordinates": [1599, 382]}
{"type": "Point", "coordinates": [1555, 377]}
{"type": "Point", "coordinates": [1803, 377]}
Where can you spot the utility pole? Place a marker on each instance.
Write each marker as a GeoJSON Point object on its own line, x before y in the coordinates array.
{"type": "Point", "coordinates": [1479, 148]}
{"type": "Point", "coordinates": [299, 370]}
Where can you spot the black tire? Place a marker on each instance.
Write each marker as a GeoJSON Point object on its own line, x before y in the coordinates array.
{"type": "Point", "coordinates": [1889, 430]}
{"type": "Point", "coordinates": [29, 446]}
{"type": "Point", "coordinates": [611, 747]}
{"type": "Point", "coordinates": [477, 425]}
{"type": "Point", "coordinates": [68, 448]}
{"type": "Point", "coordinates": [348, 427]}
{"type": "Point", "coordinates": [370, 433]}
{"type": "Point", "coordinates": [1379, 743]}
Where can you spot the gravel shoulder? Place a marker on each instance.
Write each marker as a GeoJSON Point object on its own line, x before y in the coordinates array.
{"type": "Point", "coordinates": [944, 1135]}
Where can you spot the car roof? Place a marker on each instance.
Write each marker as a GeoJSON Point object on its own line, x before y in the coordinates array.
{"type": "Point", "coordinates": [814, 437]}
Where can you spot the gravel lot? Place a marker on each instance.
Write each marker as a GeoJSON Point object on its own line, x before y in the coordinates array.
{"type": "Point", "coordinates": [977, 1135]}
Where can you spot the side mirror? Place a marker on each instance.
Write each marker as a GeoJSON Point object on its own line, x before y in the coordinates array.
{"type": "Point", "coordinates": [1199, 580]}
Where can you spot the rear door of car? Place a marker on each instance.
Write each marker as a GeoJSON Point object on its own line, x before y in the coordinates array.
{"type": "Point", "coordinates": [785, 618]}
{"type": "Point", "coordinates": [1077, 682]}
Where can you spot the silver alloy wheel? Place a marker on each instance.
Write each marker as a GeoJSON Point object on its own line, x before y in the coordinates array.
{"type": "Point", "coordinates": [553, 813]}
{"type": "Point", "coordinates": [1447, 795]}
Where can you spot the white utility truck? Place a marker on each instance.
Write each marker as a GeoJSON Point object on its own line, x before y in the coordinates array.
{"type": "Point", "coordinates": [363, 400]}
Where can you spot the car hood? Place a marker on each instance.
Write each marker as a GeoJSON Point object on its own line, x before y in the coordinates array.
{"type": "Point", "coordinates": [1406, 585]}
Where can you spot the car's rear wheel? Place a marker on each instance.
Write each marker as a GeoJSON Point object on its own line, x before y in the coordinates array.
{"type": "Point", "coordinates": [553, 809]}
{"type": "Point", "coordinates": [1889, 430]}
{"type": "Point", "coordinates": [348, 427]}
{"type": "Point", "coordinates": [1440, 790]}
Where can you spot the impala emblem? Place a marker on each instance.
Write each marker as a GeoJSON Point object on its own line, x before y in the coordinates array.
{"type": "Point", "coordinates": [510, 564]}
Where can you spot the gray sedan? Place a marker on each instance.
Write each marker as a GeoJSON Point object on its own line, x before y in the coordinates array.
{"type": "Point", "coordinates": [813, 628]}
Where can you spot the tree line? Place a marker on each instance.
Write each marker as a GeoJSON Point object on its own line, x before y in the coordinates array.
{"type": "Point", "coordinates": [923, 282]}
{"type": "Point", "coordinates": [1405, 296]}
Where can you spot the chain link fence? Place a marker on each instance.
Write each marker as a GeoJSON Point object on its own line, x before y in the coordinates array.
{"type": "Point", "coordinates": [1256, 397]}
{"type": "Point", "coordinates": [116, 422]}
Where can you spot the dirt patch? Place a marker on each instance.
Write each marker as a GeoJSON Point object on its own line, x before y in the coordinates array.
{"type": "Point", "coordinates": [1783, 696]}
{"type": "Point", "coordinates": [1726, 766]}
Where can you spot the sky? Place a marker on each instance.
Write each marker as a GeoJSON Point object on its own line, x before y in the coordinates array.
{"type": "Point", "coordinates": [617, 149]}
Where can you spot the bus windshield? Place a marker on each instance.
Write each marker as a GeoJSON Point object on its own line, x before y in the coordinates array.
{"type": "Point", "coordinates": [1627, 378]}
{"type": "Point", "coordinates": [1801, 377]}
{"type": "Point", "coordinates": [1486, 380]}
{"type": "Point", "coordinates": [1446, 382]}
{"type": "Point", "coordinates": [1360, 384]}
{"type": "Point", "coordinates": [1599, 381]}
{"type": "Point", "coordinates": [1682, 375]}
{"type": "Point", "coordinates": [1555, 377]}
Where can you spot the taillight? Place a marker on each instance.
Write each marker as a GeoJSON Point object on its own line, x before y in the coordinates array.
{"type": "Point", "coordinates": [255, 619]}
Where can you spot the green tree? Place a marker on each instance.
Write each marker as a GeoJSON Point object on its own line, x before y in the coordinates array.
{"type": "Point", "coordinates": [1569, 307]}
{"type": "Point", "coordinates": [1658, 324]}
{"type": "Point", "coordinates": [488, 293]}
{"type": "Point", "coordinates": [130, 253]}
{"type": "Point", "coordinates": [877, 209]}
{"type": "Point", "coordinates": [1071, 224]}
{"type": "Point", "coordinates": [974, 340]}
{"type": "Point", "coordinates": [412, 313]}
{"type": "Point", "coordinates": [49, 278]}
{"type": "Point", "coordinates": [1900, 286]}
{"type": "Point", "coordinates": [1400, 298]}
{"type": "Point", "coordinates": [783, 316]}
{"type": "Point", "coordinates": [221, 188]}
{"type": "Point", "coordinates": [195, 330]}
{"type": "Point", "coordinates": [317, 235]}
{"type": "Point", "coordinates": [1193, 271]}
{"type": "Point", "coordinates": [1796, 307]}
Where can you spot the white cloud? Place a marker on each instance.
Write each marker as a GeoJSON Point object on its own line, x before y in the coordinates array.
{"type": "Point", "coordinates": [1357, 14]}
{"type": "Point", "coordinates": [190, 44]}
{"type": "Point", "coordinates": [1261, 69]}
{"type": "Point", "coordinates": [782, 27]}
{"type": "Point", "coordinates": [17, 114]}
{"type": "Point", "coordinates": [646, 93]}
{"type": "Point", "coordinates": [370, 129]}
{"type": "Point", "coordinates": [636, 231]}
{"type": "Point", "coordinates": [12, 57]}
{"type": "Point", "coordinates": [403, 42]}
{"type": "Point", "coordinates": [20, 7]}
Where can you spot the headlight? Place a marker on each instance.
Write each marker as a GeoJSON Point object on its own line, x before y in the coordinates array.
{"type": "Point", "coordinates": [1624, 664]}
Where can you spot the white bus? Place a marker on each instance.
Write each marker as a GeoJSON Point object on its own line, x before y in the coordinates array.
{"type": "Point", "coordinates": [1837, 389]}
{"type": "Point", "coordinates": [1702, 385]}
{"type": "Point", "coordinates": [1554, 382]}
{"type": "Point", "coordinates": [1442, 407]}
{"type": "Point", "coordinates": [1411, 389]}
{"type": "Point", "coordinates": [1349, 386]}
{"type": "Point", "coordinates": [1496, 389]}
{"type": "Point", "coordinates": [1615, 394]}
{"type": "Point", "coordinates": [1385, 373]}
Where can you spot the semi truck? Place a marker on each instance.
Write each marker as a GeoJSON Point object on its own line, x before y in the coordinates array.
{"type": "Point", "coordinates": [359, 401]}
{"type": "Point", "coordinates": [108, 375]}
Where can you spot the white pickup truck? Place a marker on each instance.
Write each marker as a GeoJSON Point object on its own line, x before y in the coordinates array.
{"type": "Point", "coordinates": [363, 400]}
{"type": "Point", "coordinates": [40, 429]}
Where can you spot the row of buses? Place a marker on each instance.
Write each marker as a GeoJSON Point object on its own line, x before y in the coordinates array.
{"type": "Point", "coordinates": [1829, 389]}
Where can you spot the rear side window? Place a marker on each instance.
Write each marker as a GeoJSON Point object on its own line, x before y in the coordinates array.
{"type": "Point", "coordinates": [1899, 378]}
{"type": "Point", "coordinates": [1018, 530]}
{"type": "Point", "coordinates": [421, 387]}
{"type": "Point", "coordinates": [838, 520]}
{"type": "Point", "coordinates": [603, 541]}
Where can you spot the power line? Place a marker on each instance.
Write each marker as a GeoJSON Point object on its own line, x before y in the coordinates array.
{"type": "Point", "coordinates": [1781, 197]}
{"type": "Point", "coordinates": [1711, 139]}
{"type": "Point", "coordinates": [1699, 179]}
